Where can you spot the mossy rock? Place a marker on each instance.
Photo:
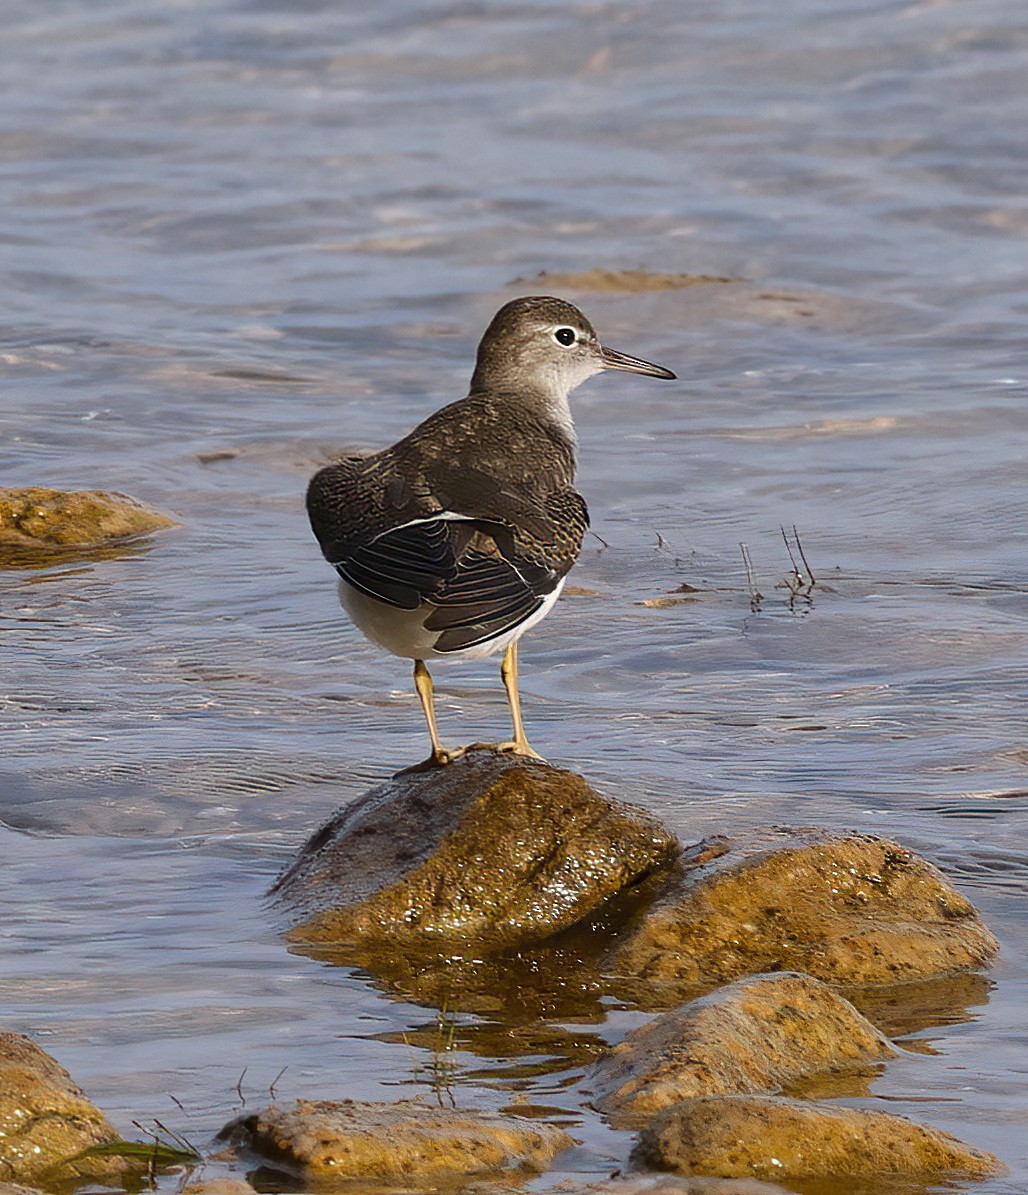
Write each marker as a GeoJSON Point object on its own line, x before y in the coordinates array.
{"type": "Point", "coordinates": [848, 909]}
{"type": "Point", "coordinates": [55, 521]}
{"type": "Point", "coordinates": [216, 1186]}
{"type": "Point", "coordinates": [756, 1035]}
{"type": "Point", "coordinates": [768, 1137]}
{"type": "Point", "coordinates": [664, 1184]}
{"type": "Point", "coordinates": [46, 1122]}
{"type": "Point", "coordinates": [322, 1140]}
{"type": "Point", "coordinates": [491, 851]}
{"type": "Point", "coordinates": [622, 281]}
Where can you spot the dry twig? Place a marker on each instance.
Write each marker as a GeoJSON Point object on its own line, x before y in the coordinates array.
{"type": "Point", "coordinates": [756, 597]}
{"type": "Point", "coordinates": [800, 584]}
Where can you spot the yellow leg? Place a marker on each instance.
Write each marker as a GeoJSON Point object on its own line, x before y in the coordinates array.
{"type": "Point", "coordinates": [423, 684]}
{"type": "Point", "coordinates": [509, 675]}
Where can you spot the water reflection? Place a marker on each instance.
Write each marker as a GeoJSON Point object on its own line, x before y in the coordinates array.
{"type": "Point", "coordinates": [43, 559]}
{"type": "Point", "coordinates": [240, 240]}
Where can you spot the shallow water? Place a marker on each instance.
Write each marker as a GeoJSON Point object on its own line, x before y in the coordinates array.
{"type": "Point", "coordinates": [241, 236]}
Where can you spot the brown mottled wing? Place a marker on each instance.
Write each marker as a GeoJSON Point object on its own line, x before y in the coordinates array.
{"type": "Point", "coordinates": [485, 571]}
{"type": "Point", "coordinates": [354, 511]}
{"type": "Point", "coordinates": [505, 574]}
{"type": "Point", "coordinates": [402, 567]}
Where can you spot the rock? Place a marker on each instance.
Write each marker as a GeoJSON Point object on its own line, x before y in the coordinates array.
{"type": "Point", "coordinates": [490, 851]}
{"type": "Point", "coordinates": [756, 1035]}
{"type": "Point", "coordinates": [699, 299]}
{"type": "Point", "coordinates": [217, 1186]}
{"type": "Point", "coordinates": [630, 281]}
{"type": "Point", "coordinates": [768, 1137]}
{"type": "Point", "coordinates": [667, 1184]}
{"type": "Point", "coordinates": [46, 1121]}
{"type": "Point", "coordinates": [849, 909]}
{"type": "Point", "coordinates": [318, 1140]}
{"type": "Point", "coordinates": [37, 518]}
{"type": "Point", "coordinates": [18, 1189]}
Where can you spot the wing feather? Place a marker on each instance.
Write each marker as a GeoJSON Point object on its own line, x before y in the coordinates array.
{"type": "Point", "coordinates": [403, 566]}
{"type": "Point", "coordinates": [481, 566]}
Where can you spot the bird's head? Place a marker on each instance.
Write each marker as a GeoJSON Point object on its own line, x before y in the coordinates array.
{"type": "Point", "coordinates": [545, 345]}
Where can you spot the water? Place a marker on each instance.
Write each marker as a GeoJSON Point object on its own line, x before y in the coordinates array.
{"type": "Point", "coordinates": [241, 236]}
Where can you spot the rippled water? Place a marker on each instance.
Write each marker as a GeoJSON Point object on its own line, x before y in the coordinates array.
{"type": "Point", "coordinates": [238, 237]}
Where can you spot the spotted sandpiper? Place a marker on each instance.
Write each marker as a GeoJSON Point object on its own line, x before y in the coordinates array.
{"type": "Point", "coordinates": [458, 538]}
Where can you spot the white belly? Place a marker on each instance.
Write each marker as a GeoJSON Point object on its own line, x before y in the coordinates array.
{"type": "Point", "coordinates": [403, 633]}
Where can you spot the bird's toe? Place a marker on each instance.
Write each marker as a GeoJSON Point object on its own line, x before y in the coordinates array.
{"type": "Point", "coordinates": [516, 747]}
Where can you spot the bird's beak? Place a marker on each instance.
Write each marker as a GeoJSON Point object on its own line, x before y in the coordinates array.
{"type": "Point", "coordinates": [612, 359]}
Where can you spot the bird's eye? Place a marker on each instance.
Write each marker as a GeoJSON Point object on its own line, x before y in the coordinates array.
{"type": "Point", "coordinates": [565, 336]}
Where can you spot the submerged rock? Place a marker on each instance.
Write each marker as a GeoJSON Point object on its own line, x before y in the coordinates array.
{"type": "Point", "coordinates": [755, 1035]}
{"type": "Point", "coordinates": [666, 1184]}
{"type": "Point", "coordinates": [216, 1186]}
{"type": "Point", "coordinates": [319, 1140]}
{"type": "Point", "coordinates": [631, 281]}
{"type": "Point", "coordinates": [490, 851]}
{"type": "Point", "coordinates": [46, 1122]}
{"type": "Point", "coordinates": [769, 1137]}
{"type": "Point", "coordinates": [850, 909]}
{"type": "Point", "coordinates": [42, 519]}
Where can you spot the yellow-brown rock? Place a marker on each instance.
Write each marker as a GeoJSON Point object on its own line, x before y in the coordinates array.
{"type": "Point", "coordinates": [769, 1137]}
{"type": "Point", "coordinates": [320, 1140]}
{"type": "Point", "coordinates": [665, 1184]}
{"type": "Point", "coordinates": [46, 1121]}
{"type": "Point", "coordinates": [37, 518]}
{"type": "Point", "coordinates": [217, 1186]}
{"type": "Point", "coordinates": [849, 909]}
{"type": "Point", "coordinates": [756, 1035]}
{"type": "Point", "coordinates": [628, 281]}
{"type": "Point", "coordinates": [490, 851]}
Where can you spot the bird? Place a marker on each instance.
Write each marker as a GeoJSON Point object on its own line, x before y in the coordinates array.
{"type": "Point", "coordinates": [457, 539]}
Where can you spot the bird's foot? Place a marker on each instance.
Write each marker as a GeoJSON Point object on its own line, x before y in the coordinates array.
{"type": "Point", "coordinates": [518, 747]}
{"type": "Point", "coordinates": [439, 758]}
{"type": "Point", "coordinates": [443, 755]}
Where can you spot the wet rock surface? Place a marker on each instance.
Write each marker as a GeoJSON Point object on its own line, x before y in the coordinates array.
{"type": "Point", "coordinates": [669, 1184]}
{"type": "Point", "coordinates": [769, 1137]}
{"type": "Point", "coordinates": [490, 851]}
{"type": "Point", "coordinates": [46, 1121]}
{"type": "Point", "coordinates": [39, 519]}
{"type": "Point", "coordinates": [625, 281]}
{"type": "Point", "coordinates": [319, 1140]}
{"type": "Point", "coordinates": [217, 1186]}
{"type": "Point", "coordinates": [849, 909]}
{"type": "Point", "coordinates": [755, 1035]}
